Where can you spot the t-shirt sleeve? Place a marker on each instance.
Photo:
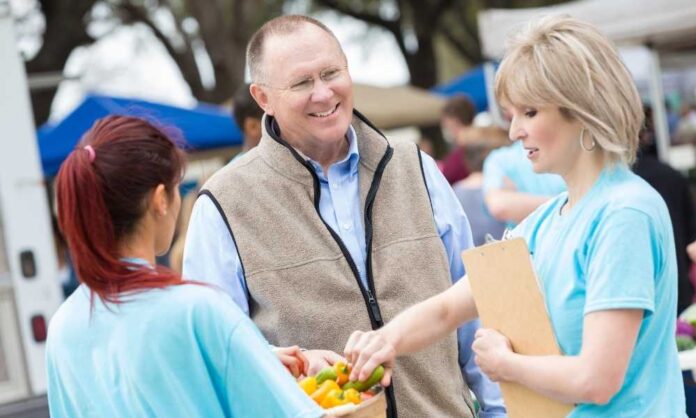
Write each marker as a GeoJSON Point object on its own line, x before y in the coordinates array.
{"type": "Point", "coordinates": [493, 172]}
{"type": "Point", "coordinates": [623, 258]}
{"type": "Point", "coordinates": [258, 385]}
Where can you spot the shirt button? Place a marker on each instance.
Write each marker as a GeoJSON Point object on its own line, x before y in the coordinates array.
{"type": "Point", "coordinates": [346, 226]}
{"type": "Point", "coordinates": [335, 185]}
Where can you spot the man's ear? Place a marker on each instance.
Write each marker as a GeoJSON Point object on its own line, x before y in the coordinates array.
{"type": "Point", "coordinates": [261, 97]}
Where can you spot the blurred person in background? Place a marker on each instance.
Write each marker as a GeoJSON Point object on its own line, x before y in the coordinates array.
{"type": "Point", "coordinates": [457, 116]}
{"type": "Point", "coordinates": [477, 144]}
{"type": "Point", "coordinates": [135, 339]}
{"type": "Point", "coordinates": [426, 145]}
{"type": "Point", "coordinates": [686, 127]}
{"type": "Point", "coordinates": [247, 114]}
{"type": "Point", "coordinates": [691, 251]}
{"type": "Point", "coordinates": [675, 190]}
{"type": "Point", "coordinates": [604, 251]}
{"type": "Point", "coordinates": [314, 230]}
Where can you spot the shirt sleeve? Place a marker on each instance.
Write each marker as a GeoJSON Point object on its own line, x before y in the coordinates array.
{"type": "Point", "coordinates": [494, 173]}
{"type": "Point", "coordinates": [210, 254]}
{"type": "Point", "coordinates": [257, 383]}
{"type": "Point", "coordinates": [455, 233]}
{"type": "Point", "coordinates": [623, 261]}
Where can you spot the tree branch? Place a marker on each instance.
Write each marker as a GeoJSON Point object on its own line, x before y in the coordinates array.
{"type": "Point", "coordinates": [438, 10]}
{"type": "Point", "coordinates": [468, 25]}
{"type": "Point", "coordinates": [390, 25]}
{"type": "Point", "coordinates": [471, 52]}
{"type": "Point", "coordinates": [131, 13]}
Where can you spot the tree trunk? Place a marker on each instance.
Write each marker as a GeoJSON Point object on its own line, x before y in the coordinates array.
{"type": "Point", "coordinates": [65, 30]}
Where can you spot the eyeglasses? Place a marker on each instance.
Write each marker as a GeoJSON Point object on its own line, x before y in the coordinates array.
{"type": "Point", "coordinates": [305, 84]}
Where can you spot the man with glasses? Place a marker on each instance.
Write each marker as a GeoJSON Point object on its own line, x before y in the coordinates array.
{"type": "Point", "coordinates": [326, 226]}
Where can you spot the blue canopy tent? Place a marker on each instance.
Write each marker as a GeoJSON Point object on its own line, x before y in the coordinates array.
{"type": "Point", "coordinates": [203, 127]}
{"type": "Point", "coordinates": [472, 84]}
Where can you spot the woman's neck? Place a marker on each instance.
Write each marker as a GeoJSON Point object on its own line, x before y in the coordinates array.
{"type": "Point", "coordinates": [138, 246]}
{"type": "Point", "coordinates": [580, 179]}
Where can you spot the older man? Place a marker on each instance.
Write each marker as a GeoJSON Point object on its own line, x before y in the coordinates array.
{"type": "Point", "coordinates": [326, 226]}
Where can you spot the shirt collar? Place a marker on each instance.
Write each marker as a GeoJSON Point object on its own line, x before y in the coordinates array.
{"type": "Point", "coordinates": [349, 162]}
{"type": "Point", "coordinates": [137, 260]}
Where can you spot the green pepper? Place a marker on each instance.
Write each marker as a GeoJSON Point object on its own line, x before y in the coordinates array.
{"type": "Point", "coordinates": [327, 373]}
{"type": "Point", "coordinates": [374, 378]}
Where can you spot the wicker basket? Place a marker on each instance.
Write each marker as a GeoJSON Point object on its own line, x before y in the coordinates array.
{"type": "Point", "coordinates": [375, 407]}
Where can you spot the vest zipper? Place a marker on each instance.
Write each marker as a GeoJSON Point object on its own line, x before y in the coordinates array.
{"type": "Point", "coordinates": [373, 311]}
{"type": "Point", "coordinates": [374, 307]}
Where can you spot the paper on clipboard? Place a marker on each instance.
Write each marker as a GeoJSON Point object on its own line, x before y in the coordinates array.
{"type": "Point", "coordinates": [508, 299]}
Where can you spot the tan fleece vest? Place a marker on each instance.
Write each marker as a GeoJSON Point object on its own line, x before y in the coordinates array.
{"type": "Point", "coordinates": [303, 286]}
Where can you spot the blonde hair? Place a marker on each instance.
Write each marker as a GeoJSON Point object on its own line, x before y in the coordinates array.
{"type": "Point", "coordinates": [567, 63]}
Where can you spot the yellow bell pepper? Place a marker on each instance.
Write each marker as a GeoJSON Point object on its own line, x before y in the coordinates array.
{"type": "Point", "coordinates": [352, 396]}
{"type": "Point", "coordinates": [309, 384]}
{"type": "Point", "coordinates": [333, 398]}
{"type": "Point", "coordinates": [342, 372]}
{"type": "Point", "coordinates": [323, 390]}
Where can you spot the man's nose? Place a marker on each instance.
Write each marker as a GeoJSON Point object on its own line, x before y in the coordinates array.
{"type": "Point", "coordinates": [322, 90]}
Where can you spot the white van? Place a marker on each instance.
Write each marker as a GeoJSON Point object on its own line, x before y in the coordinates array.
{"type": "Point", "coordinates": [29, 288]}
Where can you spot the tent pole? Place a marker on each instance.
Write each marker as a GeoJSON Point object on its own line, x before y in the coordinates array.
{"type": "Point", "coordinates": [659, 112]}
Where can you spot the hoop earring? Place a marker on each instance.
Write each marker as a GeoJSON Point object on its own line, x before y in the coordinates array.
{"type": "Point", "coordinates": [582, 142]}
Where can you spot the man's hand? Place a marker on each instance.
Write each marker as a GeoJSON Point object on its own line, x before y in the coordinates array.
{"type": "Point", "coordinates": [318, 359]}
{"type": "Point", "coordinates": [293, 359]}
{"type": "Point", "coordinates": [367, 350]}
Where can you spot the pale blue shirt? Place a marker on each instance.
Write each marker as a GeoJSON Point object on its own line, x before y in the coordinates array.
{"type": "Point", "coordinates": [210, 253]}
{"type": "Point", "coordinates": [182, 351]}
{"type": "Point", "coordinates": [614, 250]}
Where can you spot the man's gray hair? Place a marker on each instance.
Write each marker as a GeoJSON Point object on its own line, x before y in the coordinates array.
{"type": "Point", "coordinates": [282, 25]}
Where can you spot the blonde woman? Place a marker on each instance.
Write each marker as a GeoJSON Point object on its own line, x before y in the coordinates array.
{"type": "Point", "coordinates": [603, 250]}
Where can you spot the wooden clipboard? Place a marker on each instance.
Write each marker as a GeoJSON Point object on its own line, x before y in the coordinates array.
{"type": "Point", "coordinates": [508, 299]}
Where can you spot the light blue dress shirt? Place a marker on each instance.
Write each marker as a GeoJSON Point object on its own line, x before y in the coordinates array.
{"type": "Point", "coordinates": [210, 254]}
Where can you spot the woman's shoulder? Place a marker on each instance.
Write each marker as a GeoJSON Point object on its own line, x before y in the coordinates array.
{"type": "Point", "coordinates": [203, 300]}
{"type": "Point", "coordinates": [627, 191]}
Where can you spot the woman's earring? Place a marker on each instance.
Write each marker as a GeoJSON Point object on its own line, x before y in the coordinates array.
{"type": "Point", "coordinates": [582, 142]}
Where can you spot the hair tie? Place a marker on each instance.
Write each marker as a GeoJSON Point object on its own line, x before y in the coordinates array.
{"type": "Point", "coordinates": [90, 151]}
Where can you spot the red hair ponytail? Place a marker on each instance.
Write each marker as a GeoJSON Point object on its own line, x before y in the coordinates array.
{"type": "Point", "coordinates": [101, 195]}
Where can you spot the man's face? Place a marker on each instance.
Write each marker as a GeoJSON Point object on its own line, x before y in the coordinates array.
{"type": "Point", "coordinates": [306, 87]}
{"type": "Point", "coordinates": [450, 128]}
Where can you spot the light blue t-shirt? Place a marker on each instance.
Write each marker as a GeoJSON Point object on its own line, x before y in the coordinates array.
{"type": "Point", "coordinates": [511, 162]}
{"type": "Point", "coordinates": [614, 250]}
{"type": "Point", "coordinates": [183, 351]}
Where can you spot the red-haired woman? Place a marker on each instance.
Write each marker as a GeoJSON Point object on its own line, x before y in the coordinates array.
{"type": "Point", "coordinates": [135, 339]}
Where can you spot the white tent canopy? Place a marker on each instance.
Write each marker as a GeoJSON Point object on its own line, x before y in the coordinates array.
{"type": "Point", "coordinates": [665, 25]}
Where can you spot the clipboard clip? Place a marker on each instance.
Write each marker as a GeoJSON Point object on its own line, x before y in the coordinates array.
{"type": "Point", "coordinates": [507, 234]}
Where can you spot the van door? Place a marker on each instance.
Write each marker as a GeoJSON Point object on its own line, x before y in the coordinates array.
{"type": "Point", "coordinates": [29, 287]}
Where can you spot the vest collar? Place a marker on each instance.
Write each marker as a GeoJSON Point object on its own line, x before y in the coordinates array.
{"type": "Point", "coordinates": [372, 145]}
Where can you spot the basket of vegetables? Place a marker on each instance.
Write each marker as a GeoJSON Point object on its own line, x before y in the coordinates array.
{"type": "Point", "coordinates": [331, 389]}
